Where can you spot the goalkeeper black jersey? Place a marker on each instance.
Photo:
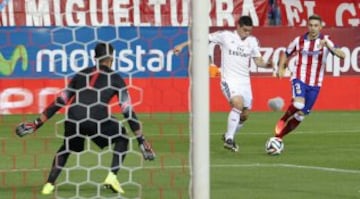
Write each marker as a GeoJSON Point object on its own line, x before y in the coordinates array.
{"type": "Point", "coordinates": [91, 90]}
{"type": "Point", "coordinates": [88, 95]}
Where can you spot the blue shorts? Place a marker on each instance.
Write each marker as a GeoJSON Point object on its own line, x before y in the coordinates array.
{"type": "Point", "coordinates": [309, 93]}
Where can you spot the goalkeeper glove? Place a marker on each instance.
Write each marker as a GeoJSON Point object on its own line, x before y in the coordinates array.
{"type": "Point", "coordinates": [25, 128]}
{"type": "Point", "coordinates": [146, 149]}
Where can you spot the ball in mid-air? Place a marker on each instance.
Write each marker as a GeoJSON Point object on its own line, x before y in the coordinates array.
{"type": "Point", "coordinates": [276, 103]}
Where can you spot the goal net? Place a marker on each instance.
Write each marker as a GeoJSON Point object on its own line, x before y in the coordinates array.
{"type": "Point", "coordinates": [37, 63]}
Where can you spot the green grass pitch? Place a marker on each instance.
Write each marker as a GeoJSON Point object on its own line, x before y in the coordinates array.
{"type": "Point", "coordinates": [320, 160]}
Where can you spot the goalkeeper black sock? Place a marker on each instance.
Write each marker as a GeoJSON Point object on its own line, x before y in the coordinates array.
{"type": "Point", "coordinates": [120, 149]}
{"type": "Point", "coordinates": [59, 162]}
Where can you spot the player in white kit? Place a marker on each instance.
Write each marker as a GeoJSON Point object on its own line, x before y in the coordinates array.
{"type": "Point", "coordinates": [238, 47]}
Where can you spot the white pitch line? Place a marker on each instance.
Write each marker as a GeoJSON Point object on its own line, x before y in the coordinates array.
{"type": "Point", "coordinates": [338, 170]}
{"type": "Point", "coordinates": [295, 166]}
{"type": "Point", "coordinates": [292, 166]}
{"type": "Point", "coordinates": [321, 168]}
{"type": "Point", "coordinates": [296, 132]}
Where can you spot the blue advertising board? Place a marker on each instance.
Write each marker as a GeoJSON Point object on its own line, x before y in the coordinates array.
{"type": "Point", "coordinates": [55, 52]}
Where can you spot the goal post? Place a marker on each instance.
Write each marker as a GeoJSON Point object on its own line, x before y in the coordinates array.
{"type": "Point", "coordinates": [199, 83]}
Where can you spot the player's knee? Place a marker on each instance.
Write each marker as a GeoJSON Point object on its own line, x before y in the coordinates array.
{"type": "Point", "coordinates": [299, 105]}
{"type": "Point", "coordinates": [243, 118]}
{"type": "Point", "coordinates": [237, 103]}
{"type": "Point", "coordinates": [299, 116]}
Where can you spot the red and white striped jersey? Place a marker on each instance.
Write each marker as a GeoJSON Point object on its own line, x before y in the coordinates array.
{"type": "Point", "coordinates": [310, 59]}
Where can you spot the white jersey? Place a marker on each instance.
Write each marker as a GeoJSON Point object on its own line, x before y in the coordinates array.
{"type": "Point", "coordinates": [236, 54]}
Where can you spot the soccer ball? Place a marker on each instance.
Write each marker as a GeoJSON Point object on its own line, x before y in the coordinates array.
{"type": "Point", "coordinates": [274, 146]}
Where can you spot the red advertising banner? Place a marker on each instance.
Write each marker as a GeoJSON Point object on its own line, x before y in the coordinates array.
{"type": "Point", "coordinates": [334, 12]}
{"type": "Point", "coordinates": [125, 13]}
{"type": "Point", "coordinates": [19, 96]}
{"type": "Point", "coordinates": [153, 95]}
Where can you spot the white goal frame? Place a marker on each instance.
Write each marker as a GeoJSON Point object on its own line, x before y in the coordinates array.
{"type": "Point", "coordinates": [199, 105]}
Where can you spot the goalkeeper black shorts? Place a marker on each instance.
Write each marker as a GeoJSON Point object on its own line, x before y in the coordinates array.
{"type": "Point", "coordinates": [103, 133]}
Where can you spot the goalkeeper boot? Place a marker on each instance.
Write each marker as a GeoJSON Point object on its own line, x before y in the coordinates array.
{"type": "Point", "coordinates": [231, 145]}
{"type": "Point", "coordinates": [47, 189]}
{"type": "Point", "coordinates": [112, 183]}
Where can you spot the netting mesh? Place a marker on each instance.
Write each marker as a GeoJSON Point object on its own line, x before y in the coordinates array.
{"type": "Point", "coordinates": [26, 162]}
{"type": "Point", "coordinates": [89, 183]}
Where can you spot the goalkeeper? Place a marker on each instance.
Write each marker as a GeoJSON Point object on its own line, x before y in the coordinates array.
{"type": "Point", "coordinates": [88, 95]}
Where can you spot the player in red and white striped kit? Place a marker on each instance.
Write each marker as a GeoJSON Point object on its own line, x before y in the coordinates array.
{"type": "Point", "coordinates": [311, 51]}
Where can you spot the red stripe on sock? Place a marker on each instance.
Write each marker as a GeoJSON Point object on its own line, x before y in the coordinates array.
{"type": "Point", "coordinates": [289, 112]}
{"type": "Point", "coordinates": [290, 125]}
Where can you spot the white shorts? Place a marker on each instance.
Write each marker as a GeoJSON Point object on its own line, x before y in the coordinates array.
{"type": "Point", "coordinates": [232, 88]}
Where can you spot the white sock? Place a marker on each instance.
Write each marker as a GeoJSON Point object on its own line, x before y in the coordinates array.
{"type": "Point", "coordinates": [233, 121]}
{"type": "Point", "coordinates": [239, 126]}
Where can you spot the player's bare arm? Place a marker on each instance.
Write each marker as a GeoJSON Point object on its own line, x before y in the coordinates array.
{"type": "Point", "coordinates": [259, 61]}
{"type": "Point", "coordinates": [336, 51]}
{"type": "Point", "coordinates": [178, 48]}
{"type": "Point", "coordinates": [282, 65]}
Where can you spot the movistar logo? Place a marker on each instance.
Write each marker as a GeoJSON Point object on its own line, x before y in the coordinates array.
{"type": "Point", "coordinates": [7, 66]}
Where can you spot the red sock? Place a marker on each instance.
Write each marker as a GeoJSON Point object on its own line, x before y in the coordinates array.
{"type": "Point", "coordinates": [290, 125]}
{"type": "Point", "coordinates": [289, 112]}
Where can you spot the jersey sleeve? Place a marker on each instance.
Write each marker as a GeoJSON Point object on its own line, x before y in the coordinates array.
{"type": "Point", "coordinates": [255, 51]}
{"type": "Point", "coordinates": [62, 99]}
{"type": "Point", "coordinates": [126, 105]}
{"type": "Point", "coordinates": [292, 47]}
{"type": "Point", "coordinates": [217, 37]}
